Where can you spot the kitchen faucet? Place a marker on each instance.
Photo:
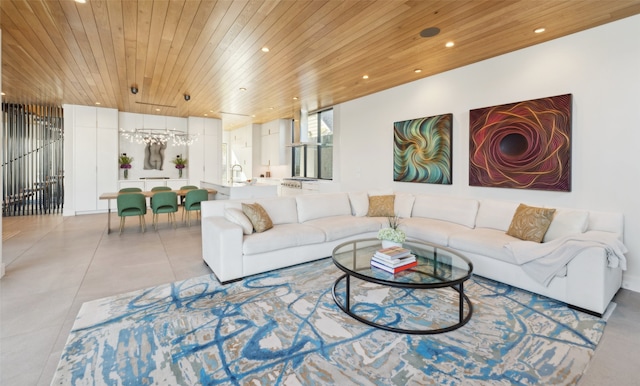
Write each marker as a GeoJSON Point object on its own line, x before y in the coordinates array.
{"type": "Point", "coordinates": [232, 170]}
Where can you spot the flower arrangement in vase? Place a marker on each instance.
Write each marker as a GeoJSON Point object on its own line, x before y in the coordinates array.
{"type": "Point", "coordinates": [180, 163]}
{"type": "Point", "coordinates": [125, 164]}
{"type": "Point", "coordinates": [391, 235]}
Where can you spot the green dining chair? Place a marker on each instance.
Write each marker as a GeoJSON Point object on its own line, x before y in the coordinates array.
{"type": "Point", "coordinates": [192, 202]}
{"type": "Point", "coordinates": [164, 202]}
{"type": "Point", "coordinates": [132, 204]}
{"type": "Point", "coordinates": [158, 189]}
{"type": "Point", "coordinates": [186, 187]}
{"type": "Point", "coordinates": [125, 190]}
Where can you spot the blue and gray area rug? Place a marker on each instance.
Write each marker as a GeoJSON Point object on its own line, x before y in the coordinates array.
{"type": "Point", "coordinates": [283, 328]}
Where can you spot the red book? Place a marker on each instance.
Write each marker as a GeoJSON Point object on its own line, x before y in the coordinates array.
{"type": "Point", "coordinates": [393, 270]}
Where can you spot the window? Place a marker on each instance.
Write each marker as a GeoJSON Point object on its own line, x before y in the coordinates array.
{"type": "Point", "coordinates": [314, 158]}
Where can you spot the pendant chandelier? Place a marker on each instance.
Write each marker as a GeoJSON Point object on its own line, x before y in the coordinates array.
{"type": "Point", "coordinates": [159, 137]}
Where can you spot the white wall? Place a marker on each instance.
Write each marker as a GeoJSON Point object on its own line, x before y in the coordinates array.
{"type": "Point", "coordinates": [132, 121]}
{"type": "Point", "coordinates": [600, 67]}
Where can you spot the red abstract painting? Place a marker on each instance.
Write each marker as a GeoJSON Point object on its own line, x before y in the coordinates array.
{"type": "Point", "coordinates": [524, 145]}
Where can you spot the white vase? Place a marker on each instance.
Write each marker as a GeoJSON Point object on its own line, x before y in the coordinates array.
{"type": "Point", "coordinates": [389, 244]}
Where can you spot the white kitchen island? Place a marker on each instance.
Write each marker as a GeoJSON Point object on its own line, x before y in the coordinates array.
{"type": "Point", "coordinates": [235, 190]}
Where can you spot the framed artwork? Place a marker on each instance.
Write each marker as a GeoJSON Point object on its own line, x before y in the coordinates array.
{"type": "Point", "coordinates": [422, 150]}
{"type": "Point", "coordinates": [524, 145]}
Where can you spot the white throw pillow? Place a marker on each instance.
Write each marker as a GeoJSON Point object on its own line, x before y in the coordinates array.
{"type": "Point", "coordinates": [566, 223]}
{"type": "Point", "coordinates": [359, 203]}
{"type": "Point", "coordinates": [404, 204]}
{"type": "Point", "coordinates": [236, 216]}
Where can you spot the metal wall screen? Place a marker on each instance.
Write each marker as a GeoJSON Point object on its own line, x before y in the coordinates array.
{"type": "Point", "coordinates": [32, 160]}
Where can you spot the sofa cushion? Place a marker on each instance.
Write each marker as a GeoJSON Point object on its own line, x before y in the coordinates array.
{"type": "Point", "coordinates": [339, 227]}
{"type": "Point", "coordinates": [312, 206]}
{"type": "Point", "coordinates": [567, 222]}
{"type": "Point", "coordinates": [495, 214]}
{"type": "Point", "coordinates": [238, 217]}
{"type": "Point", "coordinates": [403, 204]}
{"type": "Point", "coordinates": [359, 203]}
{"type": "Point", "coordinates": [381, 206]}
{"type": "Point", "coordinates": [430, 230]}
{"type": "Point", "coordinates": [280, 237]}
{"type": "Point", "coordinates": [530, 223]}
{"type": "Point", "coordinates": [483, 241]}
{"type": "Point", "coordinates": [282, 210]}
{"type": "Point", "coordinates": [258, 217]}
{"type": "Point", "coordinates": [457, 210]}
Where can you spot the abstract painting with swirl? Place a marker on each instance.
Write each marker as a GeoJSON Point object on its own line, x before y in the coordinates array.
{"type": "Point", "coordinates": [524, 145]}
{"type": "Point", "coordinates": [422, 150]}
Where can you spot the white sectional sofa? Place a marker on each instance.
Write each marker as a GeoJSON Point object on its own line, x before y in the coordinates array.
{"type": "Point", "coordinates": [582, 249]}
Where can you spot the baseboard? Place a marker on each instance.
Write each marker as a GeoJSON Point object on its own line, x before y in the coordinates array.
{"type": "Point", "coordinates": [631, 282]}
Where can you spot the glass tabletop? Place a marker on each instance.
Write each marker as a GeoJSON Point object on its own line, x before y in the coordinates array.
{"type": "Point", "coordinates": [437, 266]}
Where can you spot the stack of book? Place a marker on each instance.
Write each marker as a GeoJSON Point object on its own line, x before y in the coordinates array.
{"type": "Point", "coordinates": [393, 259]}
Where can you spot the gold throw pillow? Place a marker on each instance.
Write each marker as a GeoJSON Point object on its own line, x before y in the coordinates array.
{"type": "Point", "coordinates": [530, 223]}
{"type": "Point", "coordinates": [381, 206]}
{"type": "Point", "coordinates": [258, 217]}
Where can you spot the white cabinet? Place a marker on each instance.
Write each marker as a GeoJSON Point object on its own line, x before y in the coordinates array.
{"type": "Point", "coordinates": [94, 148]}
{"type": "Point", "coordinates": [241, 149]}
{"type": "Point", "coordinates": [205, 154]}
{"type": "Point", "coordinates": [147, 185]}
{"type": "Point", "coordinates": [273, 143]}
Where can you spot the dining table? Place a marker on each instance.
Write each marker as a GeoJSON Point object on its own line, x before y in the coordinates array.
{"type": "Point", "coordinates": [114, 195]}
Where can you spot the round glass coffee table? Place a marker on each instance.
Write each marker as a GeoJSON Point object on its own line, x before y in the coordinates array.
{"type": "Point", "coordinates": [438, 267]}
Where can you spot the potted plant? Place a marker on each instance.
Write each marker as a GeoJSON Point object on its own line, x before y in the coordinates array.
{"type": "Point", "coordinates": [125, 163]}
{"type": "Point", "coordinates": [391, 235]}
{"type": "Point", "coordinates": [180, 163]}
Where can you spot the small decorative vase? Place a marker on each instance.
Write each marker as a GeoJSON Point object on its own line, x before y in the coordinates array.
{"type": "Point", "coordinates": [389, 244]}
{"type": "Point", "coordinates": [126, 173]}
{"type": "Point", "coordinates": [179, 173]}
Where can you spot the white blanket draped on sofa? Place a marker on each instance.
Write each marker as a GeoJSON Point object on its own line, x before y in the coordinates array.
{"type": "Point", "coordinates": [543, 261]}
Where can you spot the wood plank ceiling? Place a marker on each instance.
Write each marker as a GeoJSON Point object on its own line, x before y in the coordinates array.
{"type": "Point", "coordinates": [65, 52]}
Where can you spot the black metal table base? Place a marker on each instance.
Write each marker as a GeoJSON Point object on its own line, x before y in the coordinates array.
{"type": "Point", "coordinates": [463, 319]}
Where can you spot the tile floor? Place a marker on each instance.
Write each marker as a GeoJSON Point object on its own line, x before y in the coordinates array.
{"type": "Point", "coordinates": [55, 263]}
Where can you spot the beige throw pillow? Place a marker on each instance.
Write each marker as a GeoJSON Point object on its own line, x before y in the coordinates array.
{"type": "Point", "coordinates": [381, 206]}
{"type": "Point", "coordinates": [530, 223]}
{"type": "Point", "coordinates": [258, 217]}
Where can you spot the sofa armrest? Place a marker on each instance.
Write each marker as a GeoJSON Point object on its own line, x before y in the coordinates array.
{"type": "Point", "coordinates": [222, 248]}
{"type": "Point", "coordinates": [591, 283]}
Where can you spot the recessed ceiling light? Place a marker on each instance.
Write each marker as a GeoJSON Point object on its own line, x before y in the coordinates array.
{"type": "Point", "coordinates": [295, 98]}
{"type": "Point", "coordinates": [265, 49]}
{"type": "Point", "coordinates": [429, 32]}
{"type": "Point", "coordinates": [1, 93]}
{"type": "Point", "coordinates": [97, 103]}
{"type": "Point", "coordinates": [417, 70]}
{"type": "Point", "coordinates": [539, 30]}
{"type": "Point", "coordinates": [206, 115]}
{"type": "Point", "coordinates": [449, 44]}
{"type": "Point", "coordinates": [157, 109]}
{"type": "Point", "coordinates": [243, 89]}
{"type": "Point", "coordinates": [81, 1]}
{"type": "Point", "coordinates": [365, 76]}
